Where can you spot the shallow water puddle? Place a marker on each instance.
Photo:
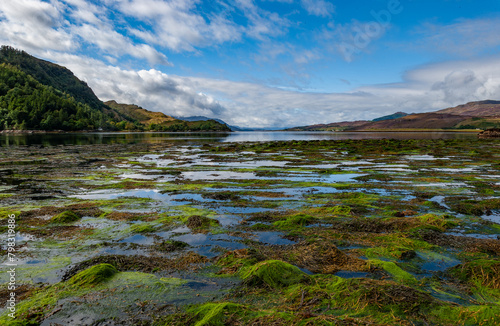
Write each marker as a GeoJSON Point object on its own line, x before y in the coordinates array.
{"type": "Point", "coordinates": [166, 198]}
{"type": "Point", "coordinates": [272, 238]}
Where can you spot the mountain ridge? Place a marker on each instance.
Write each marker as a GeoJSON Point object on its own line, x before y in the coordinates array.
{"type": "Point", "coordinates": [472, 115]}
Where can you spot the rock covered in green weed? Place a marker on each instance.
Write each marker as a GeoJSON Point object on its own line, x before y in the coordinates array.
{"type": "Point", "coordinates": [200, 222]}
{"type": "Point", "coordinates": [171, 245]}
{"type": "Point", "coordinates": [294, 221]}
{"type": "Point", "coordinates": [273, 274]}
{"type": "Point", "coordinates": [396, 272]}
{"type": "Point", "coordinates": [142, 228]}
{"type": "Point", "coordinates": [94, 275]}
{"type": "Point", "coordinates": [65, 217]}
{"type": "Point", "coordinates": [482, 271]}
{"type": "Point", "coordinates": [377, 298]}
{"type": "Point", "coordinates": [214, 314]}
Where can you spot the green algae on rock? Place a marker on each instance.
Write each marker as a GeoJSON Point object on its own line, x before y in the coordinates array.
{"type": "Point", "coordinates": [274, 274]}
{"type": "Point", "coordinates": [93, 275]}
{"type": "Point", "coordinates": [65, 217]}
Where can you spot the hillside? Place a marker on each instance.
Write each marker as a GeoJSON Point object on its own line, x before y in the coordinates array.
{"type": "Point", "coordinates": [139, 114]}
{"type": "Point", "coordinates": [336, 126]}
{"type": "Point", "coordinates": [39, 95]}
{"type": "Point", "coordinates": [25, 103]}
{"type": "Point", "coordinates": [487, 108]}
{"type": "Point", "coordinates": [158, 121]}
{"type": "Point", "coordinates": [391, 116]}
{"type": "Point", "coordinates": [50, 74]}
{"type": "Point", "coordinates": [473, 115]}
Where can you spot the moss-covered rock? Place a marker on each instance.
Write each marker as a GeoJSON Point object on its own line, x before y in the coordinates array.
{"type": "Point", "coordinates": [142, 228]}
{"type": "Point", "coordinates": [94, 275]}
{"type": "Point", "coordinates": [214, 314]}
{"type": "Point", "coordinates": [482, 271]}
{"type": "Point", "coordinates": [65, 217]}
{"type": "Point", "coordinates": [273, 274]}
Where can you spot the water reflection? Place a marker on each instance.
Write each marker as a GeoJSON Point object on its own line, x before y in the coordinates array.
{"type": "Point", "coordinates": [54, 139]}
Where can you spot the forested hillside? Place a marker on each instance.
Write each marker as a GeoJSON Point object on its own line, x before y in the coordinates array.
{"type": "Point", "coordinates": [25, 103]}
{"type": "Point", "coordinates": [40, 95]}
{"type": "Point", "coordinates": [50, 74]}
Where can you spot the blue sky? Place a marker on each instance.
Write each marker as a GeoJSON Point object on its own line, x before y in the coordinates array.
{"type": "Point", "coordinates": [269, 63]}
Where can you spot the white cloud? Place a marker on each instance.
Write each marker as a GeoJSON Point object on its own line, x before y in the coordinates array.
{"type": "Point", "coordinates": [261, 23]}
{"type": "Point", "coordinates": [176, 25]}
{"type": "Point", "coordinates": [114, 43]}
{"type": "Point", "coordinates": [464, 37]}
{"type": "Point", "coordinates": [351, 39]}
{"type": "Point", "coordinates": [34, 25]}
{"type": "Point", "coordinates": [318, 7]}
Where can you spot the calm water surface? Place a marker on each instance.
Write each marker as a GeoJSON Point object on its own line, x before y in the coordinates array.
{"type": "Point", "coordinates": [247, 136]}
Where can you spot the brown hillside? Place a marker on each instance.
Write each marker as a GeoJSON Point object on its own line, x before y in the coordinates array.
{"type": "Point", "coordinates": [144, 116]}
{"type": "Point", "coordinates": [487, 108]}
{"type": "Point", "coordinates": [417, 121]}
{"type": "Point", "coordinates": [332, 126]}
{"type": "Point", "coordinates": [473, 115]}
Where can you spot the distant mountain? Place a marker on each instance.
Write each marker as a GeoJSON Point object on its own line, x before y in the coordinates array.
{"type": "Point", "coordinates": [202, 118]}
{"type": "Point", "coordinates": [346, 125]}
{"type": "Point", "coordinates": [473, 115]}
{"type": "Point", "coordinates": [39, 95]}
{"type": "Point", "coordinates": [336, 126]}
{"type": "Point", "coordinates": [391, 116]}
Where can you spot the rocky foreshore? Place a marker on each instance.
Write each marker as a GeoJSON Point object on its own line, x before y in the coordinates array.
{"type": "Point", "coordinates": [490, 133]}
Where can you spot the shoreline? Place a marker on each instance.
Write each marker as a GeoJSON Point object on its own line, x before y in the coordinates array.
{"type": "Point", "coordinates": [223, 132]}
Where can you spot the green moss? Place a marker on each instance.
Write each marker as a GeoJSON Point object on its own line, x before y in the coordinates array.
{"type": "Point", "coordinates": [5, 212]}
{"type": "Point", "coordinates": [294, 221]}
{"type": "Point", "coordinates": [171, 245]}
{"type": "Point", "coordinates": [233, 261]}
{"type": "Point", "coordinates": [65, 217]}
{"type": "Point", "coordinates": [94, 275]}
{"type": "Point", "coordinates": [396, 272]}
{"type": "Point", "coordinates": [214, 314]}
{"type": "Point", "coordinates": [435, 222]}
{"type": "Point", "coordinates": [273, 274]}
{"type": "Point", "coordinates": [468, 316]}
{"type": "Point", "coordinates": [142, 228]}
{"type": "Point", "coordinates": [383, 301]}
{"type": "Point", "coordinates": [484, 272]}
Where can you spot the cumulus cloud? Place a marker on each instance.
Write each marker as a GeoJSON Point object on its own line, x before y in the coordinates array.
{"type": "Point", "coordinates": [114, 43]}
{"type": "Point", "coordinates": [34, 25]}
{"type": "Point", "coordinates": [176, 24]}
{"type": "Point", "coordinates": [151, 88]}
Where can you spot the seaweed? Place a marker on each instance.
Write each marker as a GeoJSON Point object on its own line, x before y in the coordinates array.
{"type": "Point", "coordinates": [273, 274]}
